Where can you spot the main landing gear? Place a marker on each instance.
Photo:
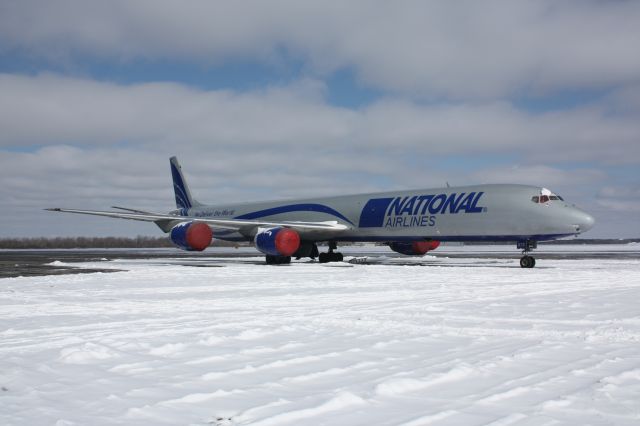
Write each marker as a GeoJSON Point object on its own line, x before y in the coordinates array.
{"type": "Point", "coordinates": [308, 250]}
{"type": "Point", "coordinates": [526, 246]}
{"type": "Point", "coordinates": [278, 260]}
{"type": "Point", "coordinates": [331, 255]}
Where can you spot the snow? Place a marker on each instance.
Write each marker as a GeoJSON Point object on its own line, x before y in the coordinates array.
{"type": "Point", "coordinates": [397, 341]}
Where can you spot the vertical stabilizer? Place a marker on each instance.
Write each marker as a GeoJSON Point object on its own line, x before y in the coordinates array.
{"type": "Point", "coordinates": [183, 195]}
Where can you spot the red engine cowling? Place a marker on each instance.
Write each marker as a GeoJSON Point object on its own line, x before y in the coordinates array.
{"type": "Point", "coordinates": [415, 248]}
{"type": "Point", "coordinates": [191, 236]}
{"type": "Point", "coordinates": [278, 241]}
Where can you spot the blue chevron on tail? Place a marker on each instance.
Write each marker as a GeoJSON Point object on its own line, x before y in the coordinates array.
{"type": "Point", "coordinates": [183, 195]}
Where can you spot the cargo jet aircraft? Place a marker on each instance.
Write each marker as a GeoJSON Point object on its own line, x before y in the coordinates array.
{"type": "Point", "coordinates": [410, 222]}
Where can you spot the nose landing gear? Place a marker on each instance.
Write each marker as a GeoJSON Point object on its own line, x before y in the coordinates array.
{"type": "Point", "coordinates": [527, 262]}
{"type": "Point", "coordinates": [526, 246]}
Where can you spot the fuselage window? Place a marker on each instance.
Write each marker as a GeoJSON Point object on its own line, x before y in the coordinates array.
{"type": "Point", "coordinates": [535, 199]}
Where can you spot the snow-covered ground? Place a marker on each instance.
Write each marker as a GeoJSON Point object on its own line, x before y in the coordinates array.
{"type": "Point", "coordinates": [231, 341]}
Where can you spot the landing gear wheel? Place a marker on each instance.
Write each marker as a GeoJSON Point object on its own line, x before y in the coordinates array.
{"type": "Point", "coordinates": [527, 246]}
{"type": "Point", "coordinates": [277, 260]}
{"type": "Point", "coordinates": [331, 256]}
{"type": "Point", "coordinates": [527, 262]}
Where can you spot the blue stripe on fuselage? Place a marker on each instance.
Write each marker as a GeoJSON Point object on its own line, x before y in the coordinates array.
{"type": "Point", "coordinates": [294, 208]}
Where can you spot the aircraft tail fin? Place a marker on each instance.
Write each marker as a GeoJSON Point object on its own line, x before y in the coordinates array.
{"type": "Point", "coordinates": [184, 200]}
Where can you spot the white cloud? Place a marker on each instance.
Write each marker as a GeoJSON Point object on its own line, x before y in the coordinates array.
{"type": "Point", "coordinates": [49, 109]}
{"type": "Point", "coordinates": [83, 143]}
{"type": "Point", "coordinates": [620, 192]}
{"type": "Point", "coordinates": [444, 68]}
{"type": "Point", "coordinates": [620, 198]}
{"type": "Point", "coordinates": [540, 175]}
{"type": "Point", "coordinates": [460, 50]}
{"type": "Point", "coordinates": [625, 100]}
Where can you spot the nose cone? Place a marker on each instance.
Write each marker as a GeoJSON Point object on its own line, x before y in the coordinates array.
{"type": "Point", "coordinates": [582, 221]}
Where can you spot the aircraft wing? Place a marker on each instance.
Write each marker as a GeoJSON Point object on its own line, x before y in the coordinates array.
{"type": "Point", "coordinates": [236, 224]}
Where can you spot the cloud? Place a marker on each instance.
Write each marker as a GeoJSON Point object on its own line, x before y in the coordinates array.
{"type": "Point", "coordinates": [426, 49]}
{"type": "Point", "coordinates": [98, 177]}
{"type": "Point", "coordinates": [448, 76]}
{"type": "Point", "coordinates": [83, 143]}
{"type": "Point", "coordinates": [50, 110]}
{"type": "Point", "coordinates": [540, 174]}
{"type": "Point", "coordinates": [625, 100]}
{"type": "Point", "coordinates": [620, 198]}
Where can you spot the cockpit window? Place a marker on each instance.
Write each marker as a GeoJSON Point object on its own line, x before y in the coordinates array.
{"type": "Point", "coordinates": [545, 196]}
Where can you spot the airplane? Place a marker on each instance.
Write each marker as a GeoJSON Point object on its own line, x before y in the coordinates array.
{"type": "Point", "coordinates": [409, 222]}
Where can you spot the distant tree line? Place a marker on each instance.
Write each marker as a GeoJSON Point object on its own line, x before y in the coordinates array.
{"type": "Point", "coordinates": [594, 241]}
{"type": "Point", "coordinates": [94, 242]}
{"type": "Point", "coordinates": [158, 242]}
{"type": "Point", "coordinates": [574, 241]}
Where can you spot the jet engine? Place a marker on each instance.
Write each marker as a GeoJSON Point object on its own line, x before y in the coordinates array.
{"type": "Point", "coordinates": [277, 241]}
{"type": "Point", "coordinates": [191, 236]}
{"type": "Point", "coordinates": [416, 248]}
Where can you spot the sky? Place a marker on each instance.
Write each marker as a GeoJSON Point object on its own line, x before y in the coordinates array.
{"type": "Point", "coordinates": [283, 99]}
